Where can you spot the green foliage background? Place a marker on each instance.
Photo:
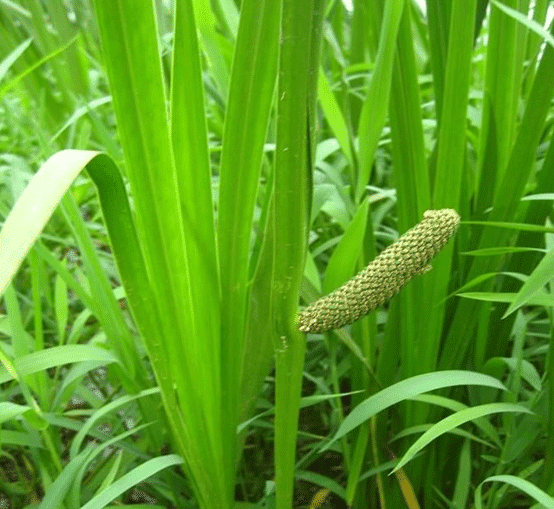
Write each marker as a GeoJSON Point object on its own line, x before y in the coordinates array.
{"type": "Point", "coordinates": [243, 159]}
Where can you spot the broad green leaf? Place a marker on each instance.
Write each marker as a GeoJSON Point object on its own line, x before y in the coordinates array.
{"type": "Point", "coordinates": [174, 300]}
{"type": "Point", "coordinates": [35, 206]}
{"type": "Point", "coordinates": [39, 200]}
{"type": "Point", "coordinates": [452, 130]}
{"type": "Point", "coordinates": [17, 438]}
{"type": "Point", "coordinates": [251, 92]}
{"type": "Point", "coordinates": [438, 19]}
{"type": "Point", "coordinates": [190, 148]}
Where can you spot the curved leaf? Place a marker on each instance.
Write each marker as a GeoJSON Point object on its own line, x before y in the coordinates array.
{"type": "Point", "coordinates": [57, 356]}
{"type": "Point", "coordinates": [131, 479]}
{"type": "Point", "coordinates": [35, 206]}
{"type": "Point", "coordinates": [408, 389]}
{"type": "Point", "coordinates": [452, 421]}
{"type": "Point", "coordinates": [540, 496]}
{"type": "Point", "coordinates": [540, 276]}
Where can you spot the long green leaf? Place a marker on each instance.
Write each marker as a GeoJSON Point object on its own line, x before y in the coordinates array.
{"type": "Point", "coordinates": [507, 198]}
{"type": "Point", "coordinates": [293, 160]}
{"type": "Point", "coordinates": [452, 421]}
{"type": "Point", "coordinates": [182, 329]}
{"type": "Point", "coordinates": [536, 281]}
{"type": "Point", "coordinates": [131, 479]}
{"type": "Point", "coordinates": [251, 92]}
{"type": "Point", "coordinates": [408, 389]}
{"type": "Point", "coordinates": [374, 111]}
{"type": "Point", "coordinates": [522, 484]}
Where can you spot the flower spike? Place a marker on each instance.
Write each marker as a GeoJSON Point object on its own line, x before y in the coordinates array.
{"type": "Point", "coordinates": [383, 278]}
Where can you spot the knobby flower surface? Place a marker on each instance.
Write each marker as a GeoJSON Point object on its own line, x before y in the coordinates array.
{"type": "Point", "coordinates": [384, 276]}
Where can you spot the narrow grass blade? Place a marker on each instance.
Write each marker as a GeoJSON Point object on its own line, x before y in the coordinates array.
{"type": "Point", "coordinates": [524, 20]}
{"type": "Point", "coordinates": [414, 197]}
{"type": "Point", "coordinates": [438, 14]}
{"type": "Point", "coordinates": [14, 81]}
{"type": "Point", "coordinates": [342, 263]}
{"type": "Point", "coordinates": [81, 112]}
{"type": "Point", "coordinates": [132, 478]}
{"type": "Point", "coordinates": [12, 57]}
{"type": "Point", "coordinates": [57, 356]}
{"type": "Point", "coordinates": [514, 226]}
{"type": "Point", "coordinates": [207, 22]}
{"type": "Point", "coordinates": [506, 199]}
{"type": "Point", "coordinates": [449, 172]}
{"type": "Point", "coordinates": [9, 410]}
{"type": "Point", "coordinates": [374, 110]}
{"type": "Point", "coordinates": [521, 484]}
{"type": "Point", "coordinates": [508, 297]}
{"type": "Point", "coordinates": [408, 389]}
{"type": "Point", "coordinates": [543, 273]}
{"type": "Point", "coordinates": [323, 481]}
{"type": "Point", "coordinates": [452, 132]}
{"type": "Point", "coordinates": [38, 202]}
{"type": "Point", "coordinates": [98, 414]}
{"type": "Point", "coordinates": [452, 421]}
{"type": "Point", "coordinates": [463, 479]}
{"type": "Point", "coordinates": [56, 493]}
{"type": "Point", "coordinates": [406, 488]}
{"type": "Point", "coordinates": [75, 494]}
{"type": "Point", "coordinates": [334, 116]}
